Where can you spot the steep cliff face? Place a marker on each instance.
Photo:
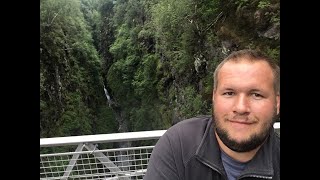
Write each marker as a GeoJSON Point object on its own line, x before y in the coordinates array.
{"type": "Point", "coordinates": [218, 29]}
{"type": "Point", "coordinates": [250, 24]}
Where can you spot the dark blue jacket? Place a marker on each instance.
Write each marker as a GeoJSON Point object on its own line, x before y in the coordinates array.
{"type": "Point", "coordinates": [189, 151]}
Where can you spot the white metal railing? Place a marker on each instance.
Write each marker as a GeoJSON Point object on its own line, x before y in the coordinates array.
{"type": "Point", "coordinates": [102, 138]}
{"type": "Point", "coordinates": [88, 157]}
{"type": "Point", "coordinates": [88, 161]}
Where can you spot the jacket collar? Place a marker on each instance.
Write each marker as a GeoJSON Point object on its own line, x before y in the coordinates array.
{"type": "Point", "coordinates": [208, 153]}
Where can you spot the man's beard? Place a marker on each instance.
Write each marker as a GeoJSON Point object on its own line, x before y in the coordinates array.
{"type": "Point", "coordinates": [252, 143]}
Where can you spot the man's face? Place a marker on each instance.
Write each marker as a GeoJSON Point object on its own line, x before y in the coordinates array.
{"type": "Point", "coordinates": [244, 104]}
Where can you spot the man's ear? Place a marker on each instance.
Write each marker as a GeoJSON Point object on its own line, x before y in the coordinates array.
{"type": "Point", "coordinates": [213, 92]}
{"type": "Point", "coordinates": [278, 104]}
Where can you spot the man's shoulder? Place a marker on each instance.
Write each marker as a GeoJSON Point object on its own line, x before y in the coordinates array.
{"type": "Point", "coordinates": [190, 129]}
{"type": "Point", "coordinates": [186, 136]}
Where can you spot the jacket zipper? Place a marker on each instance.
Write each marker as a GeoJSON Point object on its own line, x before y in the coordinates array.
{"type": "Point", "coordinates": [213, 168]}
{"type": "Point", "coordinates": [256, 176]}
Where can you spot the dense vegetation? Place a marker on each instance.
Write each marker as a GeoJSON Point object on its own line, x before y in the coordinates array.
{"type": "Point", "coordinates": [130, 65]}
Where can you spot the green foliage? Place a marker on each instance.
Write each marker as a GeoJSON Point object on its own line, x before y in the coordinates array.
{"type": "Point", "coordinates": [121, 47]}
{"type": "Point", "coordinates": [263, 4]}
{"type": "Point", "coordinates": [117, 83]}
{"type": "Point", "coordinates": [208, 87]}
{"type": "Point", "coordinates": [168, 18]}
{"type": "Point", "coordinates": [106, 122]}
{"type": "Point", "coordinates": [241, 3]}
{"type": "Point", "coordinates": [156, 58]}
{"type": "Point", "coordinates": [70, 83]}
{"type": "Point", "coordinates": [191, 103]}
{"type": "Point", "coordinates": [76, 118]}
{"type": "Point", "coordinates": [145, 79]}
{"type": "Point", "coordinates": [145, 118]}
{"type": "Point", "coordinates": [274, 54]}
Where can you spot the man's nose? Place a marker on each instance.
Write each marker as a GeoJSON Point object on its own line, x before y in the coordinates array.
{"type": "Point", "coordinates": [241, 105]}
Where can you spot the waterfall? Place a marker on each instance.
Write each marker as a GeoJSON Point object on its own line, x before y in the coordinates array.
{"type": "Point", "coordinates": [123, 158]}
{"type": "Point", "coordinates": [107, 95]}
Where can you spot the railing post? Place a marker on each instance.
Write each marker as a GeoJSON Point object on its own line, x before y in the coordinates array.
{"type": "Point", "coordinates": [105, 160]}
{"type": "Point", "coordinates": [72, 162]}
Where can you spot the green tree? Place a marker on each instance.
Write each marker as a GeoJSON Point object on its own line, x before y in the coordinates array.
{"type": "Point", "coordinates": [71, 87]}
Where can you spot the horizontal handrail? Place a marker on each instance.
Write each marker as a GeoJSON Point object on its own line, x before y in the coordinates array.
{"type": "Point", "coordinates": [105, 138]}
{"type": "Point", "coordinates": [101, 138]}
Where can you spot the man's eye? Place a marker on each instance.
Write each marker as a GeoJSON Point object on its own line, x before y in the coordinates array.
{"type": "Point", "coordinates": [257, 96]}
{"type": "Point", "coordinates": [228, 93]}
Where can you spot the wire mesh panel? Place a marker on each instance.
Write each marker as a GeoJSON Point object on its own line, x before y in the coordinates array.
{"type": "Point", "coordinates": [123, 163]}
